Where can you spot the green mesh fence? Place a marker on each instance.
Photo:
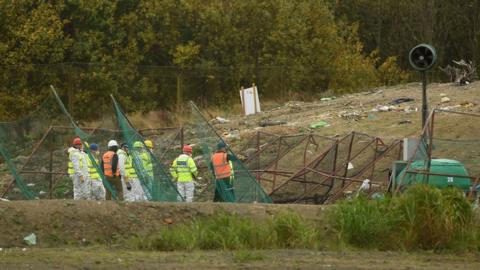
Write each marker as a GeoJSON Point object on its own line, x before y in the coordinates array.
{"type": "Point", "coordinates": [34, 157]}
{"type": "Point", "coordinates": [246, 189]}
{"type": "Point", "coordinates": [154, 177]}
{"type": "Point", "coordinates": [87, 138]}
{"type": "Point", "coordinates": [33, 153]}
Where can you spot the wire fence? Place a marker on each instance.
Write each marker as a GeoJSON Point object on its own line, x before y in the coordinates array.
{"type": "Point", "coordinates": [85, 87]}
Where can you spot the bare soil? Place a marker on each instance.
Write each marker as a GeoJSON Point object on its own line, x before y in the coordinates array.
{"type": "Point", "coordinates": [80, 223]}
{"type": "Point", "coordinates": [103, 258]}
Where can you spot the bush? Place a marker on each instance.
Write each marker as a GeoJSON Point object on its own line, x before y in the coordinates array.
{"type": "Point", "coordinates": [389, 73]}
{"type": "Point", "coordinates": [422, 218]}
{"type": "Point", "coordinates": [362, 222]}
{"type": "Point", "coordinates": [433, 218]}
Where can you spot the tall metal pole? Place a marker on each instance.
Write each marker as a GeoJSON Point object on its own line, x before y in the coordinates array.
{"type": "Point", "coordinates": [424, 98]}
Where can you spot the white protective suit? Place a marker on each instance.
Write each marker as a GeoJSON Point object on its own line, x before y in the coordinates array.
{"type": "Point", "coordinates": [81, 189]}
{"type": "Point", "coordinates": [135, 194]}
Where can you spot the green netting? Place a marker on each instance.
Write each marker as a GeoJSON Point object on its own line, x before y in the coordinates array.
{"type": "Point", "coordinates": [245, 187]}
{"type": "Point", "coordinates": [34, 157]}
{"type": "Point", "coordinates": [154, 177]}
{"type": "Point", "coordinates": [93, 137]}
{"type": "Point", "coordinates": [33, 154]}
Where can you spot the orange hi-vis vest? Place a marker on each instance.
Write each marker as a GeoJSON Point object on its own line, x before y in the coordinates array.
{"type": "Point", "coordinates": [221, 165]}
{"type": "Point", "coordinates": [107, 164]}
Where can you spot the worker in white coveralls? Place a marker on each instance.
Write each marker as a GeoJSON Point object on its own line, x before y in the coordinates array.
{"type": "Point", "coordinates": [145, 168]}
{"type": "Point", "coordinates": [97, 190]}
{"type": "Point", "coordinates": [147, 159]}
{"type": "Point", "coordinates": [127, 171]}
{"type": "Point", "coordinates": [184, 171]}
{"type": "Point", "coordinates": [78, 170]}
{"type": "Point", "coordinates": [124, 173]}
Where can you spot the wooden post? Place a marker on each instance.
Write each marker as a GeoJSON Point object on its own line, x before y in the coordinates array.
{"type": "Point", "coordinates": [50, 168]}
{"type": "Point", "coordinates": [181, 138]}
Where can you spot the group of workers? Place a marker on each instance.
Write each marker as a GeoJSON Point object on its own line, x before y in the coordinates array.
{"type": "Point", "coordinates": [122, 181]}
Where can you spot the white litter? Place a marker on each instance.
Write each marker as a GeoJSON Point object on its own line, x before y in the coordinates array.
{"type": "Point", "coordinates": [445, 100]}
{"type": "Point", "coordinates": [350, 166]}
{"type": "Point", "coordinates": [222, 120]}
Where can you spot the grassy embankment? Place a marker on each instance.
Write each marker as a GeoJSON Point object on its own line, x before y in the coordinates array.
{"type": "Point", "coordinates": [423, 218]}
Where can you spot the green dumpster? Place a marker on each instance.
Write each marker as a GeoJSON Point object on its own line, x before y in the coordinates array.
{"type": "Point", "coordinates": [452, 171]}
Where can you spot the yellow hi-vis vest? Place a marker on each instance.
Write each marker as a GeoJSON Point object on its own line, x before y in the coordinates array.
{"type": "Point", "coordinates": [184, 169]}
{"type": "Point", "coordinates": [147, 163]}
{"type": "Point", "coordinates": [92, 171]}
{"type": "Point", "coordinates": [129, 169]}
{"type": "Point", "coordinates": [71, 153]}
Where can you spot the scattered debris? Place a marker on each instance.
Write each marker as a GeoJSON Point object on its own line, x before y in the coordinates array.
{"type": "Point", "coordinates": [374, 92]}
{"type": "Point", "coordinates": [467, 104]}
{"type": "Point", "coordinates": [404, 122]}
{"type": "Point", "coordinates": [222, 120]}
{"type": "Point", "coordinates": [366, 185]}
{"type": "Point", "coordinates": [319, 124]}
{"type": "Point", "coordinates": [232, 134]}
{"type": "Point", "coordinates": [410, 109]}
{"type": "Point", "coordinates": [445, 100]}
{"type": "Point", "coordinates": [350, 166]}
{"type": "Point", "coordinates": [30, 239]}
{"type": "Point", "coordinates": [397, 108]}
{"type": "Point", "coordinates": [382, 108]}
{"type": "Point", "coordinates": [350, 115]}
{"type": "Point", "coordinates": [327, 98]}
{"type": "Point", "coordinates": [401, 100]}
{"type": "Point", "coordinates": [4, 200]}
{"type": "Point", "coordinates": [443, 95]}
{"type": "Point", "coordinates": [447, 108]}
{"type": "Point", "coordinates": [168, 221]}
{"type": "Point", "coordinates": [464, 74]}
{"type": "Point", "coordinates": [266, 123]}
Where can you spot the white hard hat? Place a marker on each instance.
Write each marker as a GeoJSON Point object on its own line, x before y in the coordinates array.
{"type": "Point", "coordinates": [112, 143]}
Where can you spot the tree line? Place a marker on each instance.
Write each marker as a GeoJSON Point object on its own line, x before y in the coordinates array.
{"type": "Point", "coordinates": [393, 27]}
{"type": "Point", "coordinates": [157, 54]}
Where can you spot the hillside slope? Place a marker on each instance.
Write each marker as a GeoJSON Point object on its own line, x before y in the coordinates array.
{"type": "Point", "coordinates": [355, 112]}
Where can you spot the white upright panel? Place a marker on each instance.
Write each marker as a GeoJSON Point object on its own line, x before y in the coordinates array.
{"type": "Point", "coordinates": [250, 100]}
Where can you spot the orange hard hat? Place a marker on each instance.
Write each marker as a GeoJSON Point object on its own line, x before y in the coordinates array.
{"type": "Point", "coordinates": [77, 141]}
{"type": "Point", "coordinates": [187, 148]}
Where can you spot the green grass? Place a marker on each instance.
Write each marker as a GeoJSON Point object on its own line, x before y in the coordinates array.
{"type": "Point", "coordinates": [232, 232]}
{"type": "Point", "coordinates": [422, 218]}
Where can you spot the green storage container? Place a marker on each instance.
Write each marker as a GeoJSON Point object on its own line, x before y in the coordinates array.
{"type": "Point", "coordinates": [437, 166]}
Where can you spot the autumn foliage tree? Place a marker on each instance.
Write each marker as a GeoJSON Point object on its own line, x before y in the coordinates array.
{"type": "Point", "coordinates": [156, 54]}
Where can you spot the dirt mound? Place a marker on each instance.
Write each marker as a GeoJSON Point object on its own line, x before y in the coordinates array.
{"type": "Point", "coordinates": [375, 112]}
{"type": "Point", "coordinates": [66, 222]}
